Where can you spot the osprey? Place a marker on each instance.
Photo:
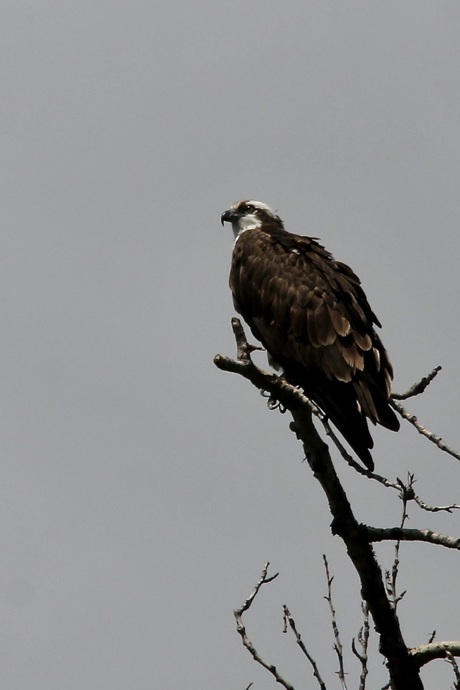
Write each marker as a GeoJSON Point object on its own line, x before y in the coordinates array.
{"type": "Point", "coordinates": [312, 316]}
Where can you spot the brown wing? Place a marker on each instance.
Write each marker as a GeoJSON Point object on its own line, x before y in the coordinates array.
{"type": "Point", "coordinates": [313, 317]}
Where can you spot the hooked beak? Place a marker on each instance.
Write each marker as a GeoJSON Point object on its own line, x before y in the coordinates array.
{"type": "Point", "coordinates": [229, 216]}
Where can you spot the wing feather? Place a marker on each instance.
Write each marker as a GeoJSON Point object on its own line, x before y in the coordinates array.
{"type": "Point", "coordinates": [339, 321]}
{"type": "Point", "coordinates": [327, 334]}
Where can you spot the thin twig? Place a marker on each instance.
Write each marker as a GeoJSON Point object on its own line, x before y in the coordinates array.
{"type": "Point", "coordinates": [262, 581]}
{"type": "Point", "coordinates": [452, 661]}
{"type": "Point", "coordinates": [437, 440]}
{"type": "Point", "coordinates": [335, 629]}
{"type": "Point", "coordinates": [288, 619]}
{"type": "Point", "coordinates": [363, 639]}
{"type": "Point", "coordinates": [238, 613]}
{"type": "Point", "coordinates": [391, 577]}
{"type": "Point", "coordinates": [435, 509]}
{"type": "Point", "coordinates": [418, 387]}
{"type": "Point", "coordinates": [407, 493]}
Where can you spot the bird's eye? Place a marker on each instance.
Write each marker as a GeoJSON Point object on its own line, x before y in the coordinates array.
{"type": "Point", "coordinates": [249, 208]}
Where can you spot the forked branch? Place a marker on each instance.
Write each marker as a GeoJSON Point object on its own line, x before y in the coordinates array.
{"type": "Point", "coordinates": [238, 613]}
{"type": "Point", "coordinates": [416, 389]}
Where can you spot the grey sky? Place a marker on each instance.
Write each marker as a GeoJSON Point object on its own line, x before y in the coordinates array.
{"type": "Point", "coordinates": [141, 489]}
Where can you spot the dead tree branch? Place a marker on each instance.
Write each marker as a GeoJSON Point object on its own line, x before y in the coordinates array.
{"type": "Point", "coordinates": [435, 650]}
{"type": "Point", "coordinates": [435, 509]}
{"type": "Point", "coordinates": [238, 613]}
{"type": "Point", "coordinates": [403, 671]}
{"type": "Point", "coordinates": [453, 662]}
{"type": "Point", "coordinates": [363, 639]}
{"type": "Point", "coordinates": [338, 648]}
{"type": "Point", "coordinates": [412, 419]}
{"type": "Point", "coordinates": [418, 387]}
{"type": "Point", "coordinates": [288, 619]}
{"type": "Point", "coordinates": [404, 534]}
{"type": "Point", "coordinates": [391, 577]}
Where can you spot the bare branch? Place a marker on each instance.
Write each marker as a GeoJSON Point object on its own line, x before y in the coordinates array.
{"type": "Point", "coordinates": [453, 663]}
{"type": "Point", "coordinates": [405, 491]}
{"type": "Point", "coordinates": [389, 534]}
{"type": "Point", "coordinates": [238, 613]}
{"type": "Point", "coordinates": [262, 581]}
{"type": "Point", "coordinates": [363, 639]}
{"type": "Point", "coordinates": [437, 440]}
{"type": "Point", "coordinates": [289, 619]}
{"type": "Point", "coordinates": [335, 629]}
{"type": "Point", "coordinates": [435, 509]}
{"type": "Point", "coordinates": [418, 387]}
{"type": "Point", "coordinates": [407, 494]}
{"type": "Point", "coordinates": [434, 650]}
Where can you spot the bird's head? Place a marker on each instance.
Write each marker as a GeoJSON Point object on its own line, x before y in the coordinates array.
{"type": "Point", "coordinates": [246, 215]}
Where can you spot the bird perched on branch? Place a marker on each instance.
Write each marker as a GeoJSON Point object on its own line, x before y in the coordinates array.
{"type": "Point", "coordinates": [312, 316]}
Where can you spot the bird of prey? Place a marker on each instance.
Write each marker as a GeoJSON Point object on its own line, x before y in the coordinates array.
{"type": "Point", "coordinates": [311, 314]}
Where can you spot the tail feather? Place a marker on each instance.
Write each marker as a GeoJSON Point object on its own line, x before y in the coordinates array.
{"type": "Point", "coordinates": [343, 412]}
{"type": "Point", "coordinates": [375, 405]}
{"type": "Point", "coordinates": [349, 409]}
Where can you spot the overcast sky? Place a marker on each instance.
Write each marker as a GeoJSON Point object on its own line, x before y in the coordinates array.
{"type": "Point", "coordinates": [141, 489]}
